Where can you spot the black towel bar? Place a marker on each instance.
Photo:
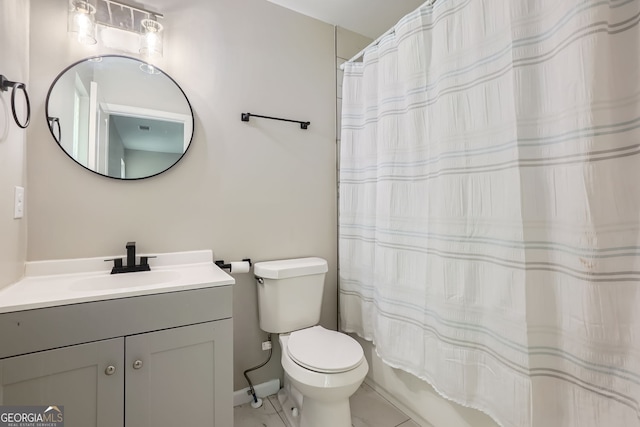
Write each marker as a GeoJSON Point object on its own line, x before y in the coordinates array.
{"type": "Point", "coordinates": [245, 118]}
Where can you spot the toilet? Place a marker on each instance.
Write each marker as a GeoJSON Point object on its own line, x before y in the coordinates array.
{"type": "Point", "coordinates": [322, 368]}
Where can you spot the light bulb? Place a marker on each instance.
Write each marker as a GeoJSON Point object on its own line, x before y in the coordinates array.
{"type": "Point", "coordinates": [151, 39]}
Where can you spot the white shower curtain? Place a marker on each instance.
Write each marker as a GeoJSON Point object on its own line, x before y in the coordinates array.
{"type": "Point", "coordinates": [490, 206]}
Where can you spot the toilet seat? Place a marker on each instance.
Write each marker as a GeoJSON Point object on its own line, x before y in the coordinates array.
{"type": "Point", "coordinates": [322, 350]}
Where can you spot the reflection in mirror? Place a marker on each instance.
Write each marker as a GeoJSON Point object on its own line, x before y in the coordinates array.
{"type": "Point", "coordinates": [119, 117]}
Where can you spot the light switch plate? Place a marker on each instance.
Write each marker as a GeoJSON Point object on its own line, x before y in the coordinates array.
{"type": "Point", "coordinates": [18, 210]}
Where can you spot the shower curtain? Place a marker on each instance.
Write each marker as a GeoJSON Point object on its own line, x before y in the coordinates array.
{"type": "Point", "coordinates": [490, 206]}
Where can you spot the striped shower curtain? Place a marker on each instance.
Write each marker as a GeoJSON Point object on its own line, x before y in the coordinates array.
{"type": "Point", "coordinates": [490, 206]}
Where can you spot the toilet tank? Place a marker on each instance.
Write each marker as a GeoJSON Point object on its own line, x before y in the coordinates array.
{"type": "Point", "coordinates": [290, 293]}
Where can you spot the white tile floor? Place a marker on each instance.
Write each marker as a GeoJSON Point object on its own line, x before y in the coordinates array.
{"type": "Point", "coordinates": [368, 409]}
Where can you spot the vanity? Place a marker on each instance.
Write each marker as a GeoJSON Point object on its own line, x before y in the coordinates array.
{"type": "Point", "coordinates": [151, 348]}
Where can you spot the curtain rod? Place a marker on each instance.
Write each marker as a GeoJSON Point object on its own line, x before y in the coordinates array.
{"type": "Point", "coordinates": [386, 33]}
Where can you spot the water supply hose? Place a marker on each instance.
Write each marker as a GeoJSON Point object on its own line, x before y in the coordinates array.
{"type": "Point", "coordinates": [257, 402]}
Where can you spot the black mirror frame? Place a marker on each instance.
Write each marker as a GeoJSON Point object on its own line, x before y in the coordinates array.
{"type": "Point", "coordinates": [57, 140]}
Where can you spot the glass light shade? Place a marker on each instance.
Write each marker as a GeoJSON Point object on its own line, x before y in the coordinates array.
{"type": "Point", "coordinates": [151, 38]}
{"type": "Point", "coordinates": [149, 69]}
{"type": "Point", "coordinates": [81, 22]}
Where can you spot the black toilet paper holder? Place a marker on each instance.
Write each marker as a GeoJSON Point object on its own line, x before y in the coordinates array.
{"type": "Point", "coordinates": [227, 266]}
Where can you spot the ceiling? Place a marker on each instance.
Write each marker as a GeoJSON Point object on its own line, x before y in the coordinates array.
{"type": "Point", "coordinates": [370, 18]}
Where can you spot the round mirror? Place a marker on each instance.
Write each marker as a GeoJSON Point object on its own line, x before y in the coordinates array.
{"type": "Point", "coordinates": [119, 117]}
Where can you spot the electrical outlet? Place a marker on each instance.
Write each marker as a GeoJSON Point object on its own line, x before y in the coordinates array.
{"type": "Point", "coordinates": [266, 345]}
{"type": "Point", "coordinates": [18, 205]}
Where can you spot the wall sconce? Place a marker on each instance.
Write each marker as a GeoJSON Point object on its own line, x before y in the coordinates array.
{"type": "Point", "coordinates": [113, 14]}
{"type": "Point", "coordinates": [81, 22]}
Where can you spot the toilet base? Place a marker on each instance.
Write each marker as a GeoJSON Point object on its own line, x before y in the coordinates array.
{"type": "Point", "coordinates": [302, 411]}
{"type": "Point", "coordinates": [290, 409]}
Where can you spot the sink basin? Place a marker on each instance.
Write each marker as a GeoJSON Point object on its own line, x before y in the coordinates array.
{"type": "Point", "coordinates": [124, 280]}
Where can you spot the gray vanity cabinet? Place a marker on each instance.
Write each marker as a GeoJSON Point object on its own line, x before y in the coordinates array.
{"type": "Point", "coordinates": [75, 377]}
{"type": "Point", "coordinates": [173, 377]}
{"type": "Point", "coordinates": [161, 360]}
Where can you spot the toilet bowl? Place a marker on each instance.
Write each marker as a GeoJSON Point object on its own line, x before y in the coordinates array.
{"type": "Point", "coordinates": [319, 380]}
{"type": "Point", "coordinates": [322, 368]}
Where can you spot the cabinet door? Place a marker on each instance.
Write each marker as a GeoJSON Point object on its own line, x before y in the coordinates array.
{"type": "Point", "coordinates": [76, 377]}
{"type": "Point", "coordinates": [180, 377]}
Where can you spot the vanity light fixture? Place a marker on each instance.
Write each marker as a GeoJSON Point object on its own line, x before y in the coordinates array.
{"type": "Point", "coordinates": [81, 21]}
{"type": "Point", "coordinates": [84, 15]}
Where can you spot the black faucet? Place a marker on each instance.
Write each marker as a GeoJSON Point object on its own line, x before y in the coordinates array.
{"type": "Point", "coordinates": [131, 254]}
{"type": "Point", "coordinates": [131, 261]}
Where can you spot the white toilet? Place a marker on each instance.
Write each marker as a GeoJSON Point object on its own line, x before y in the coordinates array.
{"type": "Point", "coordinates": [323, 368]}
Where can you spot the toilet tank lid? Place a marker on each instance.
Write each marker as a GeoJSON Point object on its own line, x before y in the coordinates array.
{"type": "Point", "coordinates": [286, 268]}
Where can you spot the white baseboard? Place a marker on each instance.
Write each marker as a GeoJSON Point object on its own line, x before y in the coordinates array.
{"type": "Point", "coordinates": [265, 389]}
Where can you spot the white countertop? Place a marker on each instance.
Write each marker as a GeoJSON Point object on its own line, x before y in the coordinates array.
{"type": "Point", "coordinates": [62, 282]}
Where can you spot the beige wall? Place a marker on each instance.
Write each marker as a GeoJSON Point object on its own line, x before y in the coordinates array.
{"type": "Point", "coordinates": [411, 394]}
{"type": "Point", "coordinates": [263, 189]}
{"type": "Point", "coordinates": [14, 65]}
